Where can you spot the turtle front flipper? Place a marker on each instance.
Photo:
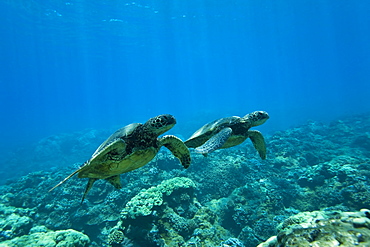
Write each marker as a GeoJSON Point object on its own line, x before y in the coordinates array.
{"type": "Point", "coordinates": [215, 142]}
{"type": "Point", "coordinates": [88, 187]}
{"type": "Point", "coordinates": [177, 148]}
{"type": "Point", "coordinates": [258, 142]}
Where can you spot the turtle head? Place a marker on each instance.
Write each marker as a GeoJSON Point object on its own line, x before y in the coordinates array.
{"type": "Point", "coordinates": [257, 118]}
{"type": "Point", "coordinates": [160, 124]}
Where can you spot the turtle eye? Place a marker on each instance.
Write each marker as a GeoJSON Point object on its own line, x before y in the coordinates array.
{"type": "Point", "coordinates": [157, 123]}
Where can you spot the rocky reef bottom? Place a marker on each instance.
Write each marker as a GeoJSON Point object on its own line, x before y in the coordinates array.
{"type": "Point", "coordinates": [310, 191]}
{"type": "Point", "coordinates": [323, 228]}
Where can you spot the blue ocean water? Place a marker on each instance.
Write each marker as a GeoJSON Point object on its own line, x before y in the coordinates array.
{"type": "Point", "coordinates": [72, 65]}
{"type": "Point", "coordinates": [74, 71]}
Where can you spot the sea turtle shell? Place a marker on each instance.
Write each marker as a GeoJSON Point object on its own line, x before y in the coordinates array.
{"type": "Point", "coordinates": [117, 155]}
{"type": "Point", "coordinates": [129, 148]}
{"type": "Point", "coordinates": [228, 132]}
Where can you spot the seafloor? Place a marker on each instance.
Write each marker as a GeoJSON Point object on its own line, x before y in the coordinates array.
{"type": "Point", "coordinates": [317, 173]}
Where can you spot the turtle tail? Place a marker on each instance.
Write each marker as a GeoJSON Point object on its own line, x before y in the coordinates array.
{"type": "Point", "coordinates": [62, 182]}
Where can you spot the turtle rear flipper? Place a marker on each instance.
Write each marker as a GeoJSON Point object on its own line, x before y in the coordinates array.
{"type": "Point", "coordinates": [69, 176]}
{"type": "Point", "coordinates": [88, 187]}
{"type": "Point", "coordinates": [258, 142]}
{"type": "Point", "coordinates": [115, 181]}
{"type": "Point", "coordinates": [215, 142]}
{"type": "Point", "coordinates": [177, 148]}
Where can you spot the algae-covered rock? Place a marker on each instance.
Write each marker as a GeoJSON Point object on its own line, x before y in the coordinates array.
{"type": "Point", "coordinates": [142, 204]}
{"type": "Point", "coordinates": [62, 238]}
{"type": "Point", "coordinates": [323, 228]}
{"type": "Point", "coordinates": [16, 225]}
{"type": "Point", "coordinates": [168, 215]}
{"type": "Point", "coordinates": [14, 222]}
{"type": "Point", "coordinates": [232, 242]}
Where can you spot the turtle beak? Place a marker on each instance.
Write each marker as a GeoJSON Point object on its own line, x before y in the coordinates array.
{"type": "Point", "coordinates": [261, 117]}
{"type": "Point", "coordinates": [169, 119]}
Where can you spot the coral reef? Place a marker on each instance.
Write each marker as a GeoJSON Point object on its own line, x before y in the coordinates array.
{"type": "Point", "coordinates": [18, 228]}
{"type": "Point", "coordinates": [144, 203]}
{"type": "Point", "coordinates": [230, 198]}
{"type": "Point", "coordinates": [323, 228]}
{"type": "Point", "coordinates": [168, 214]}
{"type": "Point", "coordinates": [232, 242]}
{"type": "Point", "coordinates": [62, 238]}
{"type": "Point", "coordinates": [14, 222]}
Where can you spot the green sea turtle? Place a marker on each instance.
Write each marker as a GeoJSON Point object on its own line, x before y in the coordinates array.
{"type": "Point", "coordinates": [228, 132]}
{"type": "Point", "coordinates": [129, 148]}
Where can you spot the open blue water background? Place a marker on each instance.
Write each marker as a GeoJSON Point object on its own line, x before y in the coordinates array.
{"type": "Point", "coordinates": [72, 65]}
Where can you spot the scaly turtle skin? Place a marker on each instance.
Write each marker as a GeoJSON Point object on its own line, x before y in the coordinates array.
{"type": "Point", "coordinates": [129, 148]}
{"type": "Point", "coordinates": [228, 132]}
